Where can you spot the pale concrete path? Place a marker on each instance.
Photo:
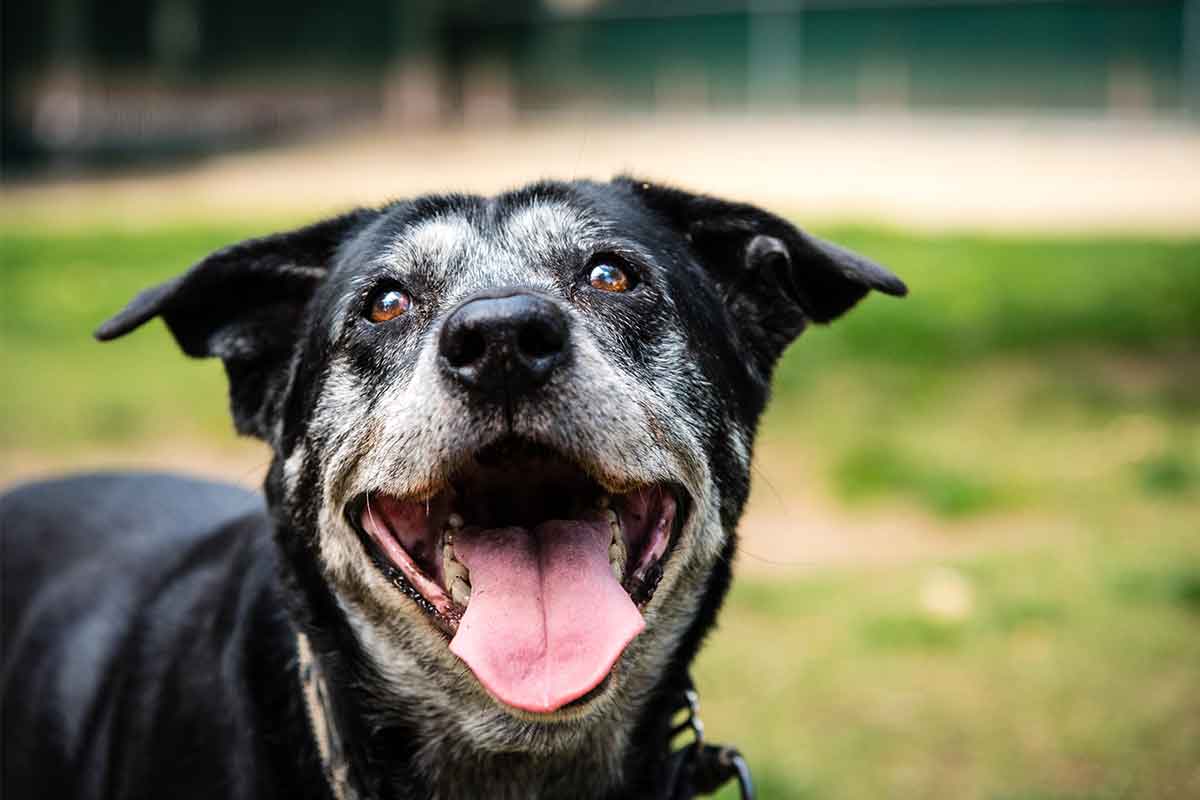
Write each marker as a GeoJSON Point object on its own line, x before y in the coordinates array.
{"type": "Point", "coordinates": [934, 173]}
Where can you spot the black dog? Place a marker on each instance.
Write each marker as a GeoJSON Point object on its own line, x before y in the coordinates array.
{"type": "Point", "coordinates": [511, 442]}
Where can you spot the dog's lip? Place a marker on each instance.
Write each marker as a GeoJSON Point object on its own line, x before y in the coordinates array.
{"type": "Point", "coordinates": [444, 618]}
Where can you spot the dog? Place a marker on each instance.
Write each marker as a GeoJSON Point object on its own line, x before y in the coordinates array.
{"type": "Point", "coordinates": [511, 441]}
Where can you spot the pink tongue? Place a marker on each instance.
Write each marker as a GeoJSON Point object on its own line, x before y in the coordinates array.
{"type": "Point", "coordinates": [547, 619]}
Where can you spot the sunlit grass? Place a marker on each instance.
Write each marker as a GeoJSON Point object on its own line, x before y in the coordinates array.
{"type": "Point", "coordinates": [1069, 674]}
{"type": "Point", "coordinates": [972, 298]}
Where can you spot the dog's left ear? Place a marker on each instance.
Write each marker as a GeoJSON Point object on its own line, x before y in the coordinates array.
{"type": "Point", "coordinates": [775, 277]}
{"type": "Point", "coordinates": [244, 304]}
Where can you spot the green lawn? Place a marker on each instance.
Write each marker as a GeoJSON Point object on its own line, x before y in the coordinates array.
{"type": "Point", "coordinates": [1046, 390]}
{"type": "Point", "coordinates": [1072, 676]}
{"type": "Point", "coordinates": [972, 298]}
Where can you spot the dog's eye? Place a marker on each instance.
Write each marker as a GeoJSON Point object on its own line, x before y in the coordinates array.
{"type": "Point", "coordinates": [608, 277]}
{"type": "Point", "coordinates": [387, 304]}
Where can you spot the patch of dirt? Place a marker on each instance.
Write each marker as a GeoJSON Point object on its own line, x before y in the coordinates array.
{"type": "Point", "coordinates": [243, 462]}
{"type": "Point", "coordinates": [821, 534]}
{"type": "Point", "coordinates": [791, 524]}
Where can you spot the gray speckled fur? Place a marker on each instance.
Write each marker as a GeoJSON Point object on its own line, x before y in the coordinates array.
{"type": "Point", "coordinates": [626, 420]}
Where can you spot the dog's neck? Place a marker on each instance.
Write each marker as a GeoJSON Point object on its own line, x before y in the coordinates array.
{"type": "Point", "coordinates": [598, 763]}
{"type": "Point", "coordinates": [592, 767]}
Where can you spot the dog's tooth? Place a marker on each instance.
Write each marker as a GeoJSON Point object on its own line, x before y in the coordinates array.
{"type": "Point", "coordinates": [616, 557]}
{"type": "Point", "coordinates": [612, 517]}
{"type": "Point", "coordinates": [460, 591]}
{"type": "Point", "coordinates": [452, 568]}
{"type": "Point", "coordinates": [616, 552]}
{"type": "Point", "coordinates": [614, 525]}
{"type": "Point", "coordinates": [454, 520]}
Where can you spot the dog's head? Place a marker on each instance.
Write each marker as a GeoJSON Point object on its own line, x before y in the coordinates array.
{"type": "Point", "coordinates": [512, 435]}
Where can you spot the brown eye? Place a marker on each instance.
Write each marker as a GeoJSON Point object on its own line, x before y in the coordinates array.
{"type": "Point", "coordinates": [389, 304]}
{"type": "Point", "coordinates": [609, 278]}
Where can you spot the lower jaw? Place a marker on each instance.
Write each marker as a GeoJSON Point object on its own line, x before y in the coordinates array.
{"type": "Point", "coordinates": [446, 624]}
{"type": "Point", "coordinates": [446, 617]}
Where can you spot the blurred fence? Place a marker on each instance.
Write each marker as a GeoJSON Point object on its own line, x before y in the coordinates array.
{"type": "Point", "coordinates": [86, 80]}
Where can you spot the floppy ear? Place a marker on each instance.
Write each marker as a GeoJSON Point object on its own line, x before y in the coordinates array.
{"type": "Point", "coordinates": [244, 304]}
{"type": "Point", "coordinates": [775, 277]}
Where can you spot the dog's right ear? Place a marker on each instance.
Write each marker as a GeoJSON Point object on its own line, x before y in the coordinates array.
{"type": "Point", "coordinates": [775, 278]}
{"type": "Point", "coordinates": [243, 304]}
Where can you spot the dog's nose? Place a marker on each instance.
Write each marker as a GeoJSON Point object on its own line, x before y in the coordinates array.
{"type": "Point", "coordinates": [502, 347]}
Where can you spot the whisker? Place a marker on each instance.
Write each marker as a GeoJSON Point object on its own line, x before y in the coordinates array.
{"type": "Point", "coordinates": [370, 514]}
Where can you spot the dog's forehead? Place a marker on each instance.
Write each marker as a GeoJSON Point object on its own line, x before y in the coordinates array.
{"type": "Point", "coordinates": [439, 239]}
{"type": "Point", "coordinates": [494, 243]}
{"type": "Point", "coordinates": [542, 225]}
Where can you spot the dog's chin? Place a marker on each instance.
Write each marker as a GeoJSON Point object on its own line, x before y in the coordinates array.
{"type": "Point", "coordinates": [536, 573]}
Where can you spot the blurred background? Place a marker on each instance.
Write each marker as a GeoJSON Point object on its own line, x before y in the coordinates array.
{"type": "Point", "coordinates": [971, 562]}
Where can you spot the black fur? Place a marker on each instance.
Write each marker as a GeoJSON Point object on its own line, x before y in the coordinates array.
{"type": "Point", "coordinates": [149, 645]}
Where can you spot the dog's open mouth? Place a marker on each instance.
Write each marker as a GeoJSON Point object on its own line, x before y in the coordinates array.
{"type": "Point", "coordinates": [530, 565]}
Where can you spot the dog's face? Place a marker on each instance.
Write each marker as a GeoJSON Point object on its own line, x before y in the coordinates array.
{"type": "Point", "coordinates": [512, 434]}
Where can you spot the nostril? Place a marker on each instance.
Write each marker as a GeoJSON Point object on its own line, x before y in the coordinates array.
{"type": "Point", "coordinates": [539, 339]}
{"type": "Point", "coordinates": [465, 349]}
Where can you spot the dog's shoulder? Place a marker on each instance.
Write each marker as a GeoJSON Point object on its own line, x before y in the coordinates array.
{"type": "Point", "coordinates": [138, 500]}
{"type": "Point", "coordinates": [115, 526]}
{"type": "Point", "coordinates": [128, 598]}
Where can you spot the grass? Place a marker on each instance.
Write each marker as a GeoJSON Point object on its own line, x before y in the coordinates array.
{"type": "Point", "coordinates": [63, 388]}
{"type": "Point", "coordinates": [1047, 387]}
{"type": "Point", "coordinates": [1169, 473]}
{"type": "Point", "coordinates": [973, 298]}
{"type": "Point", "coordinates": [1064, 680]}
{"type": "Point", "coordinates": [875, 469]}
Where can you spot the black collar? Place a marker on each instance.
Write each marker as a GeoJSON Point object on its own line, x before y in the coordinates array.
{"type": "Point", "coordinates": [696, 768]}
